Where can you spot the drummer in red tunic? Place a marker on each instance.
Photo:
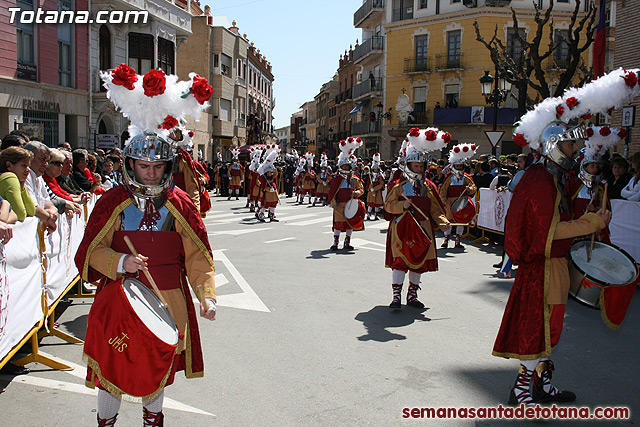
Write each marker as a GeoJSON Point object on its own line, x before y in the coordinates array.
{"type": "Point", "coordinates": [236, 175]}
{"type": "Point", "coordinates": [323, 178]}
{"type": "Point", "coordinates": [376, 186]}
{"type": "Point", "coordinates": [268, 198]}
{"type": "Point", "coordinates": [167, 231]}
{"type": "Point", "coordinates": [539, 232]}
{"type": "Point", "coordinates": [457, 184]}
{"type": "Point", "coordinates": [586, 190]}
{"type": "Point", "coordinates": [413, 207]}
{"type": "Point", "coordinates": [254, 186]}
{"type": "Point", "coordinates": [343, 188]}
{"type": "Point", "coordinates": [308, 178]}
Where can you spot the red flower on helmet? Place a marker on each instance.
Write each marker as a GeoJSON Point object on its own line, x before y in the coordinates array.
{"type": "Point", "coordinates": [154, 83]}
{"type": "Point", "coordinates": [630, 79]}
{"type": "Point", "coordinates": [571, 102]}
{"type": "Point", "coordinates": [123, 75]}
{"type": "Point", "coordinates": [465, 148]}
{"type": "Point", "coordinates": [415, 132]}
{"type": "Point", "coordinates": [446, 137]}
{"type": "Point", "coordinates": [350, 139]}
{"type": "Point", "coordinates": [605, 131]}
{"type": "Point", "coordinates": [343, 142]}
{"type": "Point", "coordinates": [473, 147]}
{"type": "Point", "coordinates": [456, 149]}
{"type": "Point", "coordinates": [520, 140]}
{"type": "Point", "coordinates": [201, 89]}
{"type": "Point", "coordinates": [190, 134]}
{"type": "Point", "coordinates": [559, 110]}
{"type": "Point", "coordinates": [622, 133]}
{"type": "Point", "coordinates": [431, 135]}
{"type": "Point", "coordinates": [586, 116]}
{"type": "Point", "coordinates": [169, 122]}
{"type": "Point", "coordinates": [589, 132]}
{"type": "Point", "coordinates": [358, 140]}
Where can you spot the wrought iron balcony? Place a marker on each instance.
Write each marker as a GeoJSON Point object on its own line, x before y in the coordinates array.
{"type": "Point", "coordinates": [448, 61]}
{"type": "Point", "coordinates": [369, 9]}
{"type": "Point", "coordinates": [374, 45]}
{"type": "Point", "coordinates": [417, 65]}
{"type": "Point", "coordinates": [369, 86]}
{"type": "Point", "coordinates": [365, 127]}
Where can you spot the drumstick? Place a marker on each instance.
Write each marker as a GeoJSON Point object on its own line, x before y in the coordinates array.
{"type": "Point", "coordinates": [127, 240]}
{"type": "Point", "coordinates": [414, 205]}
{"type": "Point", "coordinates": [603, 208]}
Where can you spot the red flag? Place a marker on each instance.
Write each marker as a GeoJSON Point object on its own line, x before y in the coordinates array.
{"type": "Point", "coordinates": [599, 44]}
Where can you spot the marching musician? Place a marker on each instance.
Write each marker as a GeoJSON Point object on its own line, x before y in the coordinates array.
{"type": "Point", "coordinates": [587, 190]}
{"type": "Point", "coordinates": [308, 178]}
{"type": "Point", "coordinates": [413, 205]}
{"type": "Point", "coordinates": [457, 184]}
{"type": "Point", "coordinates": [375, 188]}
{"type": "Point", "coordinates": [254, 184]}
{"type": "Point", "coordinates": [343, 188]}
{"type": "Point", "coordinates": [539, 232]}
{"type": "Point", "coordinates": [236, 175]}
{"type": "Point", "coordinates": [165, 227]}
{"type": "Point", "coordinates": [268, 190]}
{"type": "Point", "coordinates": [323, 178]}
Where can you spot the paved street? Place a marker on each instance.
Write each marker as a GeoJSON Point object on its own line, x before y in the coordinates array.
{"type": "Point", "coordinates": [304, 336]}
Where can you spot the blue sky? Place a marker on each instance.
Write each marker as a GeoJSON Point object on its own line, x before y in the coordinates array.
{"type": "Point", "coordinates": [303, 41]}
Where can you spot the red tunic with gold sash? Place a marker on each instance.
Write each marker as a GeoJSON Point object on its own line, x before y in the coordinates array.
{"type": "Point", "coordinates": [341, 190]}
{"type": "Point", "coordinates": [410, 237]}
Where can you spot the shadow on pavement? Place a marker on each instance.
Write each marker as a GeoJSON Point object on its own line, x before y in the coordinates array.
{"type": "Point", "coordinates": [322, 253]}
{"type": "Point", "coordinates": [380, 317]}
{"type": "Point", "coordinates": [77, 327]}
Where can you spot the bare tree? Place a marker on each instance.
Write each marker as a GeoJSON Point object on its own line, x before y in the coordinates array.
{"type": "Point", "coordinates": [527, 70]}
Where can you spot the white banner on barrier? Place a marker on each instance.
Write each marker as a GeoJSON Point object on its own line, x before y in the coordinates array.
{"type": "Point", "coordinates": [21, 286]}
{"type": "Point", "coordinates": [493, 209]}
{"type": "Point", "coordinates": [625, 232]}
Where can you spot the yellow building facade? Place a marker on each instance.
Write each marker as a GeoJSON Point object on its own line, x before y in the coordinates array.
{"type": "Point", "coordinates": [437, 62]}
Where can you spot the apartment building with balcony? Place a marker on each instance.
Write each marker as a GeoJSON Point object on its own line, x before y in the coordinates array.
{"type": "Point", "coordinates": [142, 46]}
{"type": "Point", "coordinates": [325, 110]}
{"type": "Point", "coordinates": [260, 100]}
{"type": "Point", "coordinates": [344, 105]}
{"type": "Point", "coordinates": [433, 57]}
{"type": "Point", "coordinates": [369, 58]}
{"type": "Point", "coordinates": [220, 54]}
{"type": "Point", "coordinates": [44, 74]}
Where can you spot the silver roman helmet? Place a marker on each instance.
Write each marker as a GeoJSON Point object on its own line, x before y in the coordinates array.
{"type": "Point", "coordinates": [553, 135]}
{"type": "Point", "coordinates": [151, 148]}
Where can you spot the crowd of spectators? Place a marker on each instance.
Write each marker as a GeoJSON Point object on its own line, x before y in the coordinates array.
{"type": "Point", "coordinates": [44, 182]}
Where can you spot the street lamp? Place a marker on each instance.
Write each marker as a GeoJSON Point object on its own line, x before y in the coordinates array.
{"type": "Point", "coordinates": [380, 108]}
{"type": "Point", "coordinates": [495, 91]}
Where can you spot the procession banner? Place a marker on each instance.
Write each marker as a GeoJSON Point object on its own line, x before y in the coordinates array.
{"type": "Point", "coordinates": [493, 209]}
{"type": "Point", "coordinates": [20, 286]}
{"type": "Point", "coordinates": [624, 226]}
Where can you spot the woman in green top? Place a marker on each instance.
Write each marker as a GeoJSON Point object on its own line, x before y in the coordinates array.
{"type": "Point", "coordinates": [14, 170]}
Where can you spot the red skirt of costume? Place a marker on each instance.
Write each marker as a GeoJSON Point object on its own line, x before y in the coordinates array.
{"type": "Point", "coordinates": [166, 265]}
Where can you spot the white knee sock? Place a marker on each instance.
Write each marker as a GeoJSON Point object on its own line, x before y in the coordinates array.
{"type": "Point", "coordinates": [397, 277]}
{"type": "Point", "coordinates": [349, 231]}
{"type": "Point", "coordinates": [447, 233]}
{"type": "Point", "coordinates": [155, 405]}
{"type": "Point", "coordinates": [459, 230]}
{"type": "Point", "coordinates": [530, 364]}
{"type": "Point", "coordinates": [414, 277]}
{"type": "Point", "coordinates": [108, 404]}
{"type": "Point", "coordinates": [272, 210]}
